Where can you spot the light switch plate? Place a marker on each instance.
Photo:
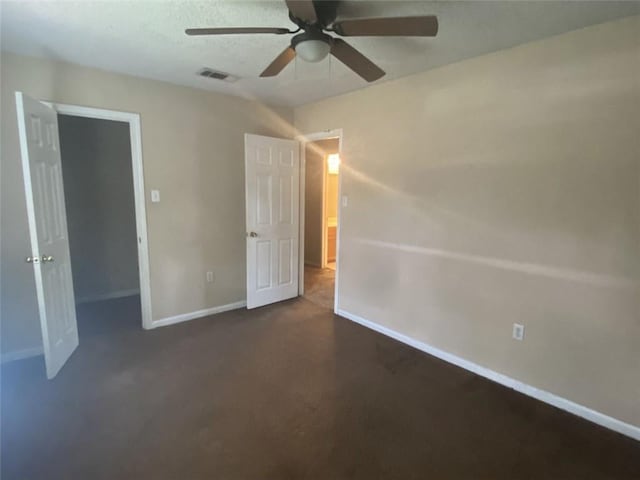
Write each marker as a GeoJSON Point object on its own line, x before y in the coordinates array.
{"type": "Point", "coordinates": [345, 201]}
{"type": "Point", "coordinates": [155, 196]}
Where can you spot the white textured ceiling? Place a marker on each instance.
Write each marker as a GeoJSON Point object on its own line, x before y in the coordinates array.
{"type": "Point", "coordinates": [146, 38]}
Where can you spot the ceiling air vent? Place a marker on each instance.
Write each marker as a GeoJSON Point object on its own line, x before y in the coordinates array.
{"type": "Point", "coordinates": [209, 73]}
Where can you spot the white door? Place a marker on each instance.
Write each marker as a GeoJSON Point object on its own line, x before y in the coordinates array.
{"type": "Point", "coordinates": [39, 145]}
{"type": "Point", "coordinates": [272, 169]}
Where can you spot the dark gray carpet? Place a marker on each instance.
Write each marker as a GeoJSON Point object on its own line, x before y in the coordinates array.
{"type": "Point", "coordinates": [288, 391]}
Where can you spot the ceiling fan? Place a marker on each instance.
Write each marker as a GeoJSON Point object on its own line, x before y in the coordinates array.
{"type": "Point", "coordinates": [314, 18]}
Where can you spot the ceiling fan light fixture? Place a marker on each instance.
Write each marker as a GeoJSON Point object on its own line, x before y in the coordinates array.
{"type": "Point", "coordinates": [312, 46]}
{"type": "Point", "coordinates": [313, 50]}
{"type": "Point", "coordinates": [314, 18]}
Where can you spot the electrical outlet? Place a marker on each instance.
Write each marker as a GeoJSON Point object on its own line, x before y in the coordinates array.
{"type": "Point", "coordinates": [210, 277]}
{"type": "Point", "coordinates": [518, 331]}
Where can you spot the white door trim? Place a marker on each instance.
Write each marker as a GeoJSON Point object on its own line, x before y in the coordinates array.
{"type": "Point", "coordinates": [135, 132]}
{"type": "Point", "coordinates": [323, 243]}
{"type": "Point", "coordinates": [304, 139]}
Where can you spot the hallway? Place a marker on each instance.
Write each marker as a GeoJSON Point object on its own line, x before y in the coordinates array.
{"type": "Point", "coordinates": [319, 286]}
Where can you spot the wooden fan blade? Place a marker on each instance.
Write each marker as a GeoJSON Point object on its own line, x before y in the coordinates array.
{"type": "Point", "coordinates": [356, 61]}
{"type": "Point", "coordinates": [426, 26]}
{"type": "Point", "coordinates": [303, 9]}
{"type": "Point", "coordinates": [232, 30]}
{"type": "Point", "coordinates": [279, 63]}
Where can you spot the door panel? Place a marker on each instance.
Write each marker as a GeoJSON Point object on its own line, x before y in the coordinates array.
{"type": "Point", "coordinates": [263, 263]}
{"type": "Point", "coordinates": [41, 164]}
{"type": "Point", "coordinates": [272, 186]}
{"type": "Point", "coordinates": [263, 199]}
{"type": "Point", "coordinates": [284, 269]}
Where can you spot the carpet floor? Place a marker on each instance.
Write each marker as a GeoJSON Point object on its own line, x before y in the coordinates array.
{"type": "Point", "coordinates": [287, 391]}
{"type": "Point", "coordinates": [319, 286]}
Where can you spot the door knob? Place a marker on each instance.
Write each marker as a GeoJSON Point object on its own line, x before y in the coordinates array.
{"type": "Point", "coordinates": [252, 234]}
{"type": "Point", "coordinates": [47, 258]}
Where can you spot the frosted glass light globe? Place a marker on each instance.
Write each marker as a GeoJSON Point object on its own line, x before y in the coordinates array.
{"type": "Point", "coordinates": [312, 50]}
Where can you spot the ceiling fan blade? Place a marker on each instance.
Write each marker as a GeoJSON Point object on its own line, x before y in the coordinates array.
{"type": "Point", "coordinates": [230, 31]}
{"type": "Point", "coordinates": [279, 63]}
{"type": "Point", "coordinates": [303, 9]}
{"type": "Point", "coordinates": [426, 26]}
{"type": "Point", "coordinates": [356, 61]}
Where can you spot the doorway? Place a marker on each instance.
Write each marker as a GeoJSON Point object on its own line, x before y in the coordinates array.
{"type": "Point", "coordinates": [47, 218]}
{"type": "Point", "coordinates": [104, 201]}
{"type": "Point", "coordinates": [101, 223]}
{"type": "Point", "coordinates": [321, 219]}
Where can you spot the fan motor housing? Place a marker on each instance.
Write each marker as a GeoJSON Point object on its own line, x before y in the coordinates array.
{"type": "Point", "coordinates": [326, 13]}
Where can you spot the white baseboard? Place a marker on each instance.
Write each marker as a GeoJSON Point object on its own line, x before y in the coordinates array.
{"type": "Point", "coordinates": [183, 317]}
{"type": "Point", "coordinates": [542, 395]}
{"type": "Point", "coordinates": [21, 354]}
{"type": "Point", "coordinates": [108, 296]}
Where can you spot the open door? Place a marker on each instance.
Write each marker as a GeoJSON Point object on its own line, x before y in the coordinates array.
{"type": "Point", "coordinates": [272, 180]}
{"type": "Point", "coordinates": [42, 168]}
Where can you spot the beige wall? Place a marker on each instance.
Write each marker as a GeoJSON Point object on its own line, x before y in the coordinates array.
{"type": "Point", "coordinates": [100, 205]}
{"type": "Point", "coordinates": [192, 144]}
{"type": "Point", "coordinates": [315, 156]}
{"type": "Point", "coordinates": [503, 189]}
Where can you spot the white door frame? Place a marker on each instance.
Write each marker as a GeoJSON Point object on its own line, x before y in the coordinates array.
{"type": "Point", "coordinates": [323, 220]}
{"type": "Point", "coordinates": [135, 133]}
{"type": "Point", "coordinates": [304, 139]}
